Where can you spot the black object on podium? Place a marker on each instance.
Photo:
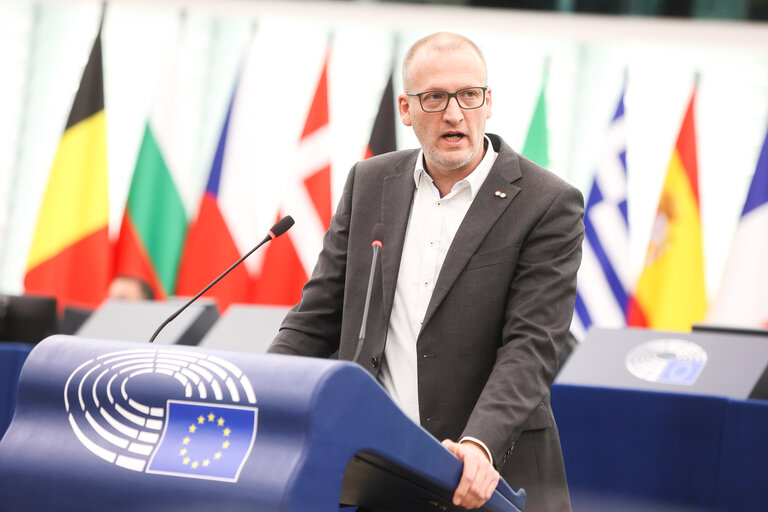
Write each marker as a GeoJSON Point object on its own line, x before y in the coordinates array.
{"type": "Point", "coordinates": [27, 318]}
{"type": "Point", "coordinates": [136, 321]}
{"type": "Point", "coordinates": [106, 425]}
{"type": "Point", "coordinates": [708, 361]}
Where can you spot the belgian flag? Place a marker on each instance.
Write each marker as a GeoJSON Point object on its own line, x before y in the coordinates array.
{"type": "Point", "coordinates": [70, 257]}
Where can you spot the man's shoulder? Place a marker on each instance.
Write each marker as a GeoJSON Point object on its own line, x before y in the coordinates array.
{"type": "Point", "coordinates": [518, 167]}
{"type": "Point", "coordinates": [394, 160]}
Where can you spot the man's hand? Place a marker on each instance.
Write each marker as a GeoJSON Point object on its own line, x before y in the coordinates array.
{"type": "Point", "coordinates": [479, 478]}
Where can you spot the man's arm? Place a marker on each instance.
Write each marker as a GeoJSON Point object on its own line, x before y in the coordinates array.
{"type": "Point", "coordinates": [539, 309]}
{"type": "Point", "coordinates": [478, 478]}
{"type": "Point", "coordinates": [313, 326]}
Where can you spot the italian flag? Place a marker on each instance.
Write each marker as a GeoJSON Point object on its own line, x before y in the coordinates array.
{"type": "Point", "coordinates": [70, 256]}
{"type": "Point", "coordinates": [536, 146]}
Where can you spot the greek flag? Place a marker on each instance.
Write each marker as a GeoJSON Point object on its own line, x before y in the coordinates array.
{"type": "Point", "coordinates": [604, 274]}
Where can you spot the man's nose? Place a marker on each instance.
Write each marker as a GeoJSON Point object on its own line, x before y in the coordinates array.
{"type": "Point", "coordinates": [453, 111]}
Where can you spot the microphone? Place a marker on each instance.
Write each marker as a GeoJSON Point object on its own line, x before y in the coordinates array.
{"type": "Point", "coordinates": [378, 234]}
{"type": "Point", "coordinates": [278, 229]}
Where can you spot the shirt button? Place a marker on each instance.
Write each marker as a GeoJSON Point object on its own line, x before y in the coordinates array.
{"type": "Point", "coordinates": [374, 361]}
{"type": "Point", "coordinates": [426, 283]}
{"type": "Point", "coordinates": [432, 243]}
{"type": "Point", "coordinates": [438, 203]}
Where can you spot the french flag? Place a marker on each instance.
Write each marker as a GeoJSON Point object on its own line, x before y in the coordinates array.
{"type": "Point", "coordinates": [743, 296]}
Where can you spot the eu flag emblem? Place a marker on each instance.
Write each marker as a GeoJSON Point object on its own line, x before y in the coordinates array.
{"type": "Point", "coordinates": [202, 440]}
{"type": "Point", "coordinates": [681, 371]}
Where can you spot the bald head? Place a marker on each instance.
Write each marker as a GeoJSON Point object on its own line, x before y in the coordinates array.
{"type": "Point", "coordinates": [437, 43]}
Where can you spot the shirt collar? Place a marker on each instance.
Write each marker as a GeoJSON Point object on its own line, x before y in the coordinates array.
{"type": "Point", "coordinates": [475, 178]}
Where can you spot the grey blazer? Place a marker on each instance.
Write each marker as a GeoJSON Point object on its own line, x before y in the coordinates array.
{"type": "Point", "coordinates": [497, 322]}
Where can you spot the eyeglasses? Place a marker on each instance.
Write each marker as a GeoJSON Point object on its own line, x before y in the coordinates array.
{"type": "Point", "coordinates": [437, 101]}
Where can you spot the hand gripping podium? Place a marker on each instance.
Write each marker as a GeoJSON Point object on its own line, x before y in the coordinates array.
{"type": "Point", "coordinates": [120, 426]}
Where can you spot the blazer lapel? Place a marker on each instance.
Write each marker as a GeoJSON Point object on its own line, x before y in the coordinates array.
{"type": "Point", "coordinates": [483, 213]}
{"type": "Point", "coordinates": [397, 197]}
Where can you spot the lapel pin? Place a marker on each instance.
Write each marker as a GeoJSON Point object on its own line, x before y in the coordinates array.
{"type": "Point", "coordinates": [500, 194]}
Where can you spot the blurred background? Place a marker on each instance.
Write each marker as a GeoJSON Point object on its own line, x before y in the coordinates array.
{"type": "Point", "coordinates": [571, 57]}
{"type": "Point", "coordinates": [219, 117]}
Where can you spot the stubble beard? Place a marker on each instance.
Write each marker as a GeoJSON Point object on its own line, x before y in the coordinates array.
{"type": "Point", "coordinates": [436, 156]}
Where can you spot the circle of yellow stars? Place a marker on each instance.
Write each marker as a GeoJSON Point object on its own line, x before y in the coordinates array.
{"type": "Point", "coordinates": [201, 421]}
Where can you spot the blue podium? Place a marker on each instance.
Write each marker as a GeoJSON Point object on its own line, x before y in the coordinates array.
{"type": "Point", "coordinates": [121, 426]}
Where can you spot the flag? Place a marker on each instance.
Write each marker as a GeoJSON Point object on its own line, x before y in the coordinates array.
{"type": "Point", "coordinates": [154, 222]}
{"type": "Point", "coordinates": [288, 259]}
{"type": "Point", "coordinates": [383, 132]}
{"type": "Point", "coordinates": [199, 263]}
{"type": "Point", "coordinates": [603, 279]}
{"type": "Point", "coordinates": [743, 295]}
{"type": "Point", "coordinates": [536, 146]}
{"type": "Point", "coordinates": [70, 256]}
{"type": "Point", "coordinates": [671, 293]}
{"type": "Point", "coordinates": [205, 441]}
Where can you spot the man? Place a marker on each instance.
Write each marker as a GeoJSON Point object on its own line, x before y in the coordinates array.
{"type": "Point", "coordinates": [475, 290]}
{"type": "Point", "coordinates": [124, 287]}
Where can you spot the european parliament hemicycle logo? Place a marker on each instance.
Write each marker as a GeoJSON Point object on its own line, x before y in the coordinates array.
{"type": "Point", "coordinates": [667, 361]}
{"type": "Point", "coordinates": [204, 426]}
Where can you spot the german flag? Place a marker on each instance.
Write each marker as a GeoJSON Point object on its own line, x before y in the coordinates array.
{"type": "Point", "coordinates": [70, 257]}
{"type": "Point", "coordinates": [383, 131]}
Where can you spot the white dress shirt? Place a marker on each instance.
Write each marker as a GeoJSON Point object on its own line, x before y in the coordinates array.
{"type": "Point", "coordinates": [432, 225]}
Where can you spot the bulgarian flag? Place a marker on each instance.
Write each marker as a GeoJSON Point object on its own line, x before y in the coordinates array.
{"type": "Point", "coordinates": [154, 222]}
{"type": "Point", "coordinates": [70, 257]}
{"type": "Point", "coordinates": [536, 146]}
{"type": "Point", "coordinates": [671, 293]}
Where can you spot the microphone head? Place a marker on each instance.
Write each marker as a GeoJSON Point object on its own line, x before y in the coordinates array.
{"type": "Point", "coordinates": [378, 234]}
{"type": "Point", "coordinates": [281, 226]}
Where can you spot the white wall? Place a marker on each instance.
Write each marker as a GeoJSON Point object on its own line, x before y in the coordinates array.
{"type": "Point", "coordinates": [43, 47]}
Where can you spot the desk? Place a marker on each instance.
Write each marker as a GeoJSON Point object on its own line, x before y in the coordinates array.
{"type": "Point", "coordinates": [669, 451]}
{"type": "Point", "coordinates": [12, 357]}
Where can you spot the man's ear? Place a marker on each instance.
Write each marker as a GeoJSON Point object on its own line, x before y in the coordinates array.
{"type": "Point", "coordinates": [405, 109]}
{"type": "Point", "coordinates": [488, 103]}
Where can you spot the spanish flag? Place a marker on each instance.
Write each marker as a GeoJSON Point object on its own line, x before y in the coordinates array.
{"type": "Point", "coordinates": [70, 254]}
{"type": "Point", "coordinates": [671, 293]}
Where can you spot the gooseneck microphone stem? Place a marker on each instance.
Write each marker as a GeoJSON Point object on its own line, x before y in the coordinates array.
{"type": "Point", "coordinates": [278, 229]}
{"type": "Point", "coordinates": [361, 337]}
{"type": "Point", "coordinates": [378, 232]}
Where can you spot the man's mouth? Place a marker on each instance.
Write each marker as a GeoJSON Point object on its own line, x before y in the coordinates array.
{"type": "Point", "coordinates": [453, 137]}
